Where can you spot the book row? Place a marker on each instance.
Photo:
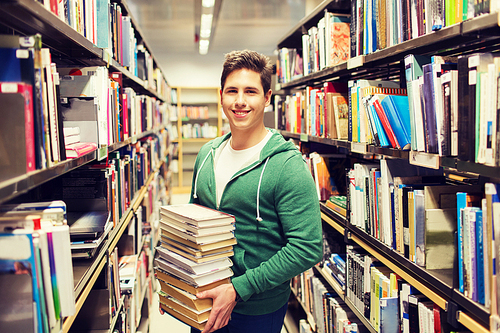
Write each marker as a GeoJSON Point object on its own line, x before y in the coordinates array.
{"type": "Point", "coordinates": [429, 222]}
{"type": "Point", "coordinates": [371, 26]}
{"type": "Point", "coordinates": [106, 25]}
{"type": "Point", "coordinates": [91, 103]}
{"type": "Point", "coordinates": [448, 106]}
{"type": "Point", "coordinates": [194, 112]}
{"type": "Point", "coordinates": [193, 256]}
{"type": "Point", "coordinates": [387, 302]}
{"type": "Point", "coordinates": [192, 131]}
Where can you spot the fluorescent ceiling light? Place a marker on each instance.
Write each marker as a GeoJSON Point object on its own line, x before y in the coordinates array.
{"type": "Point", "coordinates": [206, 25]}
{"type": "Point", "coordinates": [203, 46]}
{"type": "Point", "coordinates": [207, 3]}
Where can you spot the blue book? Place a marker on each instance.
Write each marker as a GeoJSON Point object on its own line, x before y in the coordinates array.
{"type": "Point", "coordinates": [103, 24]}
{"type": "Point", "coordinates": [473, 253]}
{"type": "Point", "coordinates": [389, 321]}
{"type": "Point", "coordinates": [398, 113]}
{"type": "Point", "coordinates": [384, 141]}
{"type": "Point", "coordinates": [19, 256]}
{"type": "Point", "coordinates": [480, 257]}
{"type": "Point", "coordinates": [461, 204]}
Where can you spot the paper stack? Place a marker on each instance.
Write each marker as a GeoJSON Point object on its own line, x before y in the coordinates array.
{"type": "Point", "coordinates": [193, 256]}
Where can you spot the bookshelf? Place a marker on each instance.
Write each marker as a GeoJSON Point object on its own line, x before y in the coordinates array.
{"type": "Point", "coordinates": [149, 187]}
{"type": "Point", "coordinates": [199, 119]}
{"type": "Point", "coordinates": [478, 34]}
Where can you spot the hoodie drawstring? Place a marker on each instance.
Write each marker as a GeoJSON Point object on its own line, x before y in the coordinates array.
{"type": "Point", "coordinates": [258, 191]}
{"type": "Point", "coordinates": [198, 173]}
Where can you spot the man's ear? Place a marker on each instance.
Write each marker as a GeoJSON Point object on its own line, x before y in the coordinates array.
{"type": "Point", "coordinates": [268, 97]}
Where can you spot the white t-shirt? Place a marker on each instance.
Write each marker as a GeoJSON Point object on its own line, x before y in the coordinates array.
{"type": "Point", "coordinates": [231, 161]}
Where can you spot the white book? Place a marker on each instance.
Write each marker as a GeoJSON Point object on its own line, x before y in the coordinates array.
{"type": "Point", "coordinates": [197, 280]}
{"type": "Point", "coordinates": [196, 230]}
{"type": "Point", "coordinates": [190, 265]}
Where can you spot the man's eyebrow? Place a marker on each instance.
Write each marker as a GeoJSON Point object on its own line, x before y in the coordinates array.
{"type": "Point", "coordinates": [248, 87]}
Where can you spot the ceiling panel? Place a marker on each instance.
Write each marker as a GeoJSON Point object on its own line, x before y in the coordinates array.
{"type": "Point", "coordinates": [169, 29]}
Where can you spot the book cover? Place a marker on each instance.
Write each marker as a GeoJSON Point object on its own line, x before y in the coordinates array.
{"type": "Point", "coordinates": [192, 244]}
{"type": "Point", "coordinates": [78, 149]}
{"type": "Point", "coordinates": [389, 315]}
{"type": "Point", "coordinates": [205, 239]}
{"type": "Point", "coordinates": [385, 123]}
{"type": "Point", "coordinates": [199, 280]}
{"type": "Point", "coordinates": [17, 140]}
{"type": "Point", "coordinates": [191, 266]}
{"type": "Point", "coordinates": [429, 109]}
{"type": "Point", "coordinates": [397, 110]}
{"type": "Point", "coordinates": [195, 213]}
{"type": "Point", "coordinates": [183, 317]}
{"type": "Point", "coordinates": [166, 278]}
{"type": "Point", "coordinates": [413, 70]}
{"type": "Point", "coordinates": [340, 39]}
{"type": "Point", "coordinates": [18, 257]}
{"type": "Point", "coordinates": [480, 257]}
{"type": "Point", "coordinates": [198, 304]}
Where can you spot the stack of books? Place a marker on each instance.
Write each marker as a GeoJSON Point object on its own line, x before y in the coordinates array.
{"type": "Point", "coordinates": [193, 256]}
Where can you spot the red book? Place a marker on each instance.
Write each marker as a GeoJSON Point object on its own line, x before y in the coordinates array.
{"type": "Point", "coordinates": [78, 149]}
{"type": "Point", "coordinates": [385, 123]}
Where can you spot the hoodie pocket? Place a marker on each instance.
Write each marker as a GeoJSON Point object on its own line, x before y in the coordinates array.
{"type": "Point", "coordinates": [239, 266]}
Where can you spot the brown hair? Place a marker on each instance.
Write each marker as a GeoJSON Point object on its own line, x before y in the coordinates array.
{"type": "Point", "coordinates": [250, 60]}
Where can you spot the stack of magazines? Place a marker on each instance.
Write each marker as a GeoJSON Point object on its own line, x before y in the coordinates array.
{"type": "Point", "coordinates": [193, 256]}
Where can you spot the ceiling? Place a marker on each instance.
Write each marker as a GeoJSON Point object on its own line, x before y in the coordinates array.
{"type": "Point", "coordinates": [168, 27]}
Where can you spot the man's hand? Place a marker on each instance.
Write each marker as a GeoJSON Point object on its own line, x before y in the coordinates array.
{"type": "Point", "coordinates": [224, 301]}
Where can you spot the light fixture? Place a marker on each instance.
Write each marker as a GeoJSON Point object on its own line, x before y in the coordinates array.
{"type": "Point", "coordinates": [206, 15]}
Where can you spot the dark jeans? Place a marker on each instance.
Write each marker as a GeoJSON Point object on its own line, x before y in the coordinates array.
{"type": "Point", "coordinates": [268, 323]}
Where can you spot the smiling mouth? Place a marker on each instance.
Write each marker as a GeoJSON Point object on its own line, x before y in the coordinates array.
{"type": "Point", "coordinates": [240, 112]}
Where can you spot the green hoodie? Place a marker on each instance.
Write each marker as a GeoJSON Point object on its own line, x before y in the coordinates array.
{"type": "Point", "coordinates": [278, 220]}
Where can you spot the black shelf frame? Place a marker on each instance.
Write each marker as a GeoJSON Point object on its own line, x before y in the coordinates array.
{"type": "Point", "coordinates": [479, 34]}
{"type": "Point", "coordinates": [14, 187]}
{"type": "Point", "coordinates": [67, 46]}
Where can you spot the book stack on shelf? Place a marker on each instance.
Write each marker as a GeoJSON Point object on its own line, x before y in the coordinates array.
{"type": "Point", "coordinates": [36, 266]}
{"type": "Point", "coordinates": [196, 243]}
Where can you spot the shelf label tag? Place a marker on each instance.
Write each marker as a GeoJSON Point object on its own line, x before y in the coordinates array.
{"type": "Point", "coordinates": [304, 137]}
{"type": "Point", "coordinates": [424, 159]}
{"type": "Point", "coordinates": [134, 139]}
{"type": "Point", "coordinates": [358, 147]}
{"type": "Point", "coordinates": [102, 153]}
{"type": "Point", "coordinates": [355, 62]}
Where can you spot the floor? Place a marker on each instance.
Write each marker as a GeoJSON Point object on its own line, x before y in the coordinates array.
{"type": "Point", "coordinates": [166, 323]}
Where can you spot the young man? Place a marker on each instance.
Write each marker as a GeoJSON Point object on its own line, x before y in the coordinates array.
{"type": "Point", "coordinates": [261, 179]}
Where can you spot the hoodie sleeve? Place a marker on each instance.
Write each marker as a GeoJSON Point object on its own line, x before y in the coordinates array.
{"type": "Point", "coordinates": [297, 204]}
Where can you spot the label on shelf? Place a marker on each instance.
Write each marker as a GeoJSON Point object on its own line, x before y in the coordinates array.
{"type": "Point", "coordinates": [424, 159]}
{"type": "Point", "coordinates": [304, 137]}
{"type": "Point", "coordinates": [134, 139]}
{"type": "Point", "coordinates": [355, 62]}
{"type": "Point", "coordinates": [358, 147]}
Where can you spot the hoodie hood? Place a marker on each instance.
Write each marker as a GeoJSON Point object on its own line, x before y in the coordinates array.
{"type": "Point", "coordinates": [276, 144]}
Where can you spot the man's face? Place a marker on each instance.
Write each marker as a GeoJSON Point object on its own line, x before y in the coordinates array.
{"type": "Point", "coordinates": [243, 100]}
